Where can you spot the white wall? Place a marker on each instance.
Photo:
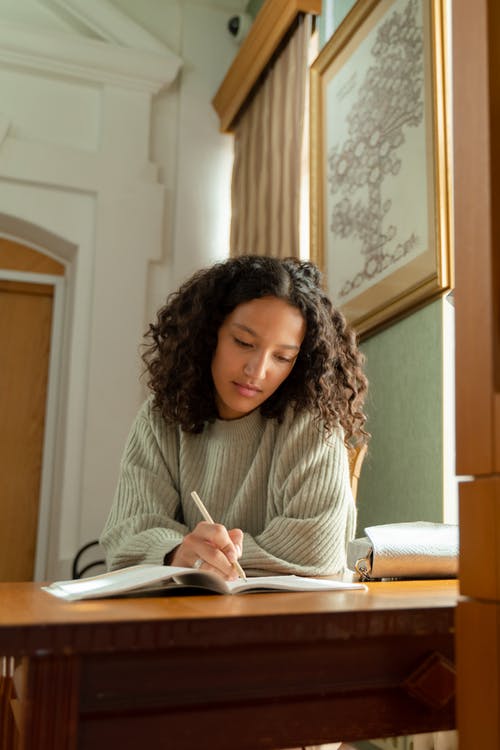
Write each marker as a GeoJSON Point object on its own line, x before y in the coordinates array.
{"type": "Point", "coordinates": [110, 161]}
{"type": "Point", "coordinates": [195, 159]}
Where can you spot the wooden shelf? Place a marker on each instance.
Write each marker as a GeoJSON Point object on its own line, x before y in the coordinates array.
{"type": "Point", "coordinates": [270, 26]}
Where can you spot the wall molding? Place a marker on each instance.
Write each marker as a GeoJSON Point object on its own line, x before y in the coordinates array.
{"type": "Point", "coordinates": [67, 55]}
{"type": "Point", "coordinates": [106, 20]}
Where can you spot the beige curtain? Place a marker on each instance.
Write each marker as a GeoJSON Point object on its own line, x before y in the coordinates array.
{"type": "Point", "coordinates": [265, 191]}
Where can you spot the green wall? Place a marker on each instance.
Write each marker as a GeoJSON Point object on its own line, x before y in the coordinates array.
{"type": "Point", "coordinates": [402, 477]}
{"type": "Point", "coordinates": [253, 7]}
{"type": "Point", "coordinates": [334, 12]}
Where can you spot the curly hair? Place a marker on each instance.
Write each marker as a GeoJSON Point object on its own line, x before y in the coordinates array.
{"type": "Point", "coordinates": [327, 379]}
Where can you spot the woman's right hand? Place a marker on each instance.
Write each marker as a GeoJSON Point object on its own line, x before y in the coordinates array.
{"type": "Point", "coordinates": [214, 545]}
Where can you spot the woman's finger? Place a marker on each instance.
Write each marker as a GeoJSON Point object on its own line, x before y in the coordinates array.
{"type": "Point", "coordinates": [236, 536]}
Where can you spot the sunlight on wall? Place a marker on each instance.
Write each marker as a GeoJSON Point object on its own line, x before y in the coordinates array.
{"type": "Point", "coordinates": [402, 477]}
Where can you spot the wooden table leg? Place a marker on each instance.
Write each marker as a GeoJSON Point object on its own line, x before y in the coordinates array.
{"type": "Point", "coordinates": [8, 730]}
{"type": "Point", "coordinates": [47, 690]}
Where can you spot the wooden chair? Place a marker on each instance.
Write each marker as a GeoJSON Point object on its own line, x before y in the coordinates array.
{"type": "Point", "coordinates": [80, 567]}
{"type": "Point", "coordinates": [356, 454]}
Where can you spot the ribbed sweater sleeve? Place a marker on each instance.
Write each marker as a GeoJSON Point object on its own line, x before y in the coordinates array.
{"type": "Point", "coordinates": [311, 514]}
{"type": "Point", "coordinates": [284, 485]}
{"type": "Point", "coordinates": [145, 519]}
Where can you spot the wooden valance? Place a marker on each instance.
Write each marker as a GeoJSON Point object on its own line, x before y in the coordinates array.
{"type": "Point", "coordinates": [270, 26]}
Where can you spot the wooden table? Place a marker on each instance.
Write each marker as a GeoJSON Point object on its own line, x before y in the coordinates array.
{"type": "Point", "coordinates": [241, 672]}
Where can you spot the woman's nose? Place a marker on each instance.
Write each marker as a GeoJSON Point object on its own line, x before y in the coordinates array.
{"type": "Point", "coordinates": [255, 366]}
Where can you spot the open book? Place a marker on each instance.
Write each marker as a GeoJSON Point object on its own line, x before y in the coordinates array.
{"type": "Point", "coordinates": [156, 578]}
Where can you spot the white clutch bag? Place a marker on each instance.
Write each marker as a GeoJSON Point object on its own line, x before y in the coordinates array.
{"type": "Point", "coordinates": [419, 549]}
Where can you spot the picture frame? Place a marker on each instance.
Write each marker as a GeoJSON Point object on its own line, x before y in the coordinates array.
{"type": "Point", "coordinates": [380, 208]}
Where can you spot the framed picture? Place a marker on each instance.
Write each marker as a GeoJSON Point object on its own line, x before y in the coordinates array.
{"type": "Point", "coordinates": [380, 195]}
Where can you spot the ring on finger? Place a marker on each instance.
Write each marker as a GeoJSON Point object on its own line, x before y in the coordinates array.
{"type": "Point", "coordinates": [198, 563]}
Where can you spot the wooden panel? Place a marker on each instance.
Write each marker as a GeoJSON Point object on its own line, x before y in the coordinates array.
{"type": "Point", "coordinates": [496, 417]}
{"type": "Point", "coordinates": [476, 92]}
{"type": "Point", "coordinates": [270, 26]}
{"type": "Point", "coordinates": [478, 636]}
{"type": "Point", "coordinates": [473, 239]}
{"type": "Point", "coordinates": [295, 690]}
{"type": "Point", "coordinates": [479, 538]}
{"type": "Point", "coordinates": [292, 690]}
{"type": "Point", "coordinates": [49, 691]}
{"type": "Point", "coordinates": [14, 256]}
{"type": "Point", "coordinates": [21, 287]}
{"type": "Point", "coordinates": [494, 91]}
{"type": "Point", "coordinates": [25, 329]}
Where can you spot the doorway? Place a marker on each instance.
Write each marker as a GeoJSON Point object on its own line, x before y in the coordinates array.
{"type": "Point", "coordinates": [28, 282]}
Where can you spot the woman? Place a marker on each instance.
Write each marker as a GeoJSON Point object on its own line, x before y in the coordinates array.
{"type": "Point", "coordinates": [257, 387]}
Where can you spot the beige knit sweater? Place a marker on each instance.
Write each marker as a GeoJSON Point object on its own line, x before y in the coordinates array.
{"type": "Point", "coordinates": [284, 485]}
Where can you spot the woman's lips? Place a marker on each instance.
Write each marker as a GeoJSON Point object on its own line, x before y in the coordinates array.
{"type": "Point", "coordinates": [244, 389]}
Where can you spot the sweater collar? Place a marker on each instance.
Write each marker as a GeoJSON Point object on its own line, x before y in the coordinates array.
{"type": "Point", "coordinates": [246, 428]}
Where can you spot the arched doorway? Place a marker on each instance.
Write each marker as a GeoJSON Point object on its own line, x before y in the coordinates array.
{"type": "Point", "coordinates": [28, 283]}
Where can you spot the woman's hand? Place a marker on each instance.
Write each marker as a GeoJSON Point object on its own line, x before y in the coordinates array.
{"type": "Point", "coordinates": [214, 545]}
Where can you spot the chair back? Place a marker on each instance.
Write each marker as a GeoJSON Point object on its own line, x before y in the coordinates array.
{"type": "Point", "coordinates": [80, 567]}
{"type": "Point", "coordinates": [356, 454]}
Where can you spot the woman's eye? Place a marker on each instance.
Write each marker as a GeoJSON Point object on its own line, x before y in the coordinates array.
{"type": "Point", "coordinates": [281, 358]}
{"type": "Point", "coordinates": [244, 344]}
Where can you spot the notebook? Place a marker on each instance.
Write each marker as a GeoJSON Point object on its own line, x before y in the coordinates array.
{"type": "Point", "coordinates": [154, 579]}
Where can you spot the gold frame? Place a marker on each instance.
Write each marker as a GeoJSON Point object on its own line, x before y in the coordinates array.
{"type": "Point", "coordinates": [429, 274]}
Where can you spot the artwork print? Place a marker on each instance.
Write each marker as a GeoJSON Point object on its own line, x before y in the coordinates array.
{"type": "Point", "coordinates": [376, 214]}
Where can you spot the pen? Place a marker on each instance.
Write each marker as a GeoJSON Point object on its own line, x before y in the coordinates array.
{"type": "Point", "coordinates": [206, 515]}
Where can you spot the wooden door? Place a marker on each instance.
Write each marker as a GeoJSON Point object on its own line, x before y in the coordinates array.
{"type": "Point", "coordinates": [476, 133]}
{"type": "Point", "coordinates": [25, 341]}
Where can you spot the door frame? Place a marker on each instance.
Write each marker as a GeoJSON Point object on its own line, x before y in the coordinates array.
{"type": "Point", "coordinates": [52, 409]}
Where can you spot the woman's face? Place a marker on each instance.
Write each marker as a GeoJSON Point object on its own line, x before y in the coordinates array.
{"type": "Point", "coordinates": [257, 346]}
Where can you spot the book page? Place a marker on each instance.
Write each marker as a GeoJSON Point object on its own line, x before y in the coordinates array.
{"type": "Point", "coordinates": [289, 583]}
{"type": "Point", "coordinates": [115, 582]}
